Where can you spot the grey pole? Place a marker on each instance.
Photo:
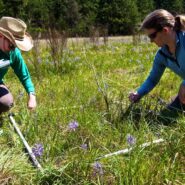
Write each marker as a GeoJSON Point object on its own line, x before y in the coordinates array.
{"type": "Point", "coordinates": [31, 154]}
{"type": "Point", "coordinates": [128, 150]}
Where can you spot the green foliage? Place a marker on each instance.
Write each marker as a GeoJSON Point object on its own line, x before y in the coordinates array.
{"type": "Point", "coordinates": [145, 7]}
{"type": "Point", "coordinates": [13, 8]}
{"type": "Point", "coordinates": [88, 12]}
{"type": "Point", "coordinates": [14, 167]}
{"type": "Point", "coordinates": [86, 17]}
{"type": "Point", "coordinates": [91, 87]}
{"type": "Point", "coordinates": [2, 7]}
{"type": "Point", "coordinates": [116, 16]}
{"type": "Point", "coordinates": [63, 15]}
{"type": "Point", "coordinates": [37, 13]}
{"type": "Point", "coordinates": [175, 6]}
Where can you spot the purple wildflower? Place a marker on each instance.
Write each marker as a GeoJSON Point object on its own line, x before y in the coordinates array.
{"type": "Point", "coordinates": [97, 168]}
{"type": "Point", "coordinates": [131, 140]}
{"type": "Point", "coordinates": [73, 125]}
{"type": "Point", "coordinates": [38, 150]}
{"type": "Point", "coordinates": [84, 146]}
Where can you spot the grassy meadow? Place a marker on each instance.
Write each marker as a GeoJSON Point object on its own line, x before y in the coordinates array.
{"type": "Point", "coordinates": [83, 113]}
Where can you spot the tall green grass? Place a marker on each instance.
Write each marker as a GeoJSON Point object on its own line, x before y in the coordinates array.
{"type": "Point", "coordinates": [91, 86]}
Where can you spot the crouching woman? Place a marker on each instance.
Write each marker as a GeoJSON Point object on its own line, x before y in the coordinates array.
{"type": "Point", "coordinates": [13, 38]}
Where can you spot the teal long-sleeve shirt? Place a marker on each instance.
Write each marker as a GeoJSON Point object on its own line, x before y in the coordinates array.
{"type": "Point", "coordinates": [163, 60]}
{"type": "Point", "coordinates": [18, 65]}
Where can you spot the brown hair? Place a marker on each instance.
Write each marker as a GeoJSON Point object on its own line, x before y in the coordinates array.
{"type": "Point", "coordinates": [161, 18]}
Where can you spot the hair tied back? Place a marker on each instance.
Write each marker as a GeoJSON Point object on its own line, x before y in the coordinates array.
{"type": "Point", "coordinates": [180, 23]}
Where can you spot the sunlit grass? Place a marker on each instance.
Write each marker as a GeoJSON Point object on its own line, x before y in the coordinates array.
{"type": "Point", "coordinates": [91, 87]}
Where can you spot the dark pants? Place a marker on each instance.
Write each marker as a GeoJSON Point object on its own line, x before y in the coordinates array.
{"type": "Point", "coordinates": [176, 105]}
{"type": "Point", "coordinates": [169, 114]}
{"type": "Point", "coordinates": [6, 99]}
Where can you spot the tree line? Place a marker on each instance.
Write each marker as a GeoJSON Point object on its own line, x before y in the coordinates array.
{"type": "Point", "coordinates": [82, 17]}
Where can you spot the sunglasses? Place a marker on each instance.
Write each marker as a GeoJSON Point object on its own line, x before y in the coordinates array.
{"type": "Point", "coordinates": [153, 35]}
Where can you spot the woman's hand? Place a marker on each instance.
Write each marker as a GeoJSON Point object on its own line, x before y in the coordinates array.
{"type": "Point", "coordinates": [32, 102]}
{"type": "Point", "coordinates": [134, 97]}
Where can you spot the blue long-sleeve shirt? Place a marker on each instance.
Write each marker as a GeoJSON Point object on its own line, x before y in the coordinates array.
{"type": "Point", "coordinates": [163, 60]}
{"type": "Point", "coordinates": [18, 65]}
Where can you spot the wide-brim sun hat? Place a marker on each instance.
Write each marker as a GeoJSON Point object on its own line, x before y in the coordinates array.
{"type": "Point", "coordinates": [15, 30]}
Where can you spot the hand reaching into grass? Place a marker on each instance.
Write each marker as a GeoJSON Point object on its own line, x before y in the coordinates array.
{"type": "Point", "coordinates": [134, 97]}
{"type": "Point", "coordinates": [32, 102]}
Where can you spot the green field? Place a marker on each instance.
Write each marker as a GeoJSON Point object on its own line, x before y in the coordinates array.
{"type": "Point", "coordinates": [89, 84]}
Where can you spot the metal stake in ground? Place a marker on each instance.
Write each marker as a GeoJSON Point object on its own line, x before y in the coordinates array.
{"type": "Point", "coordinates": [31, 154]}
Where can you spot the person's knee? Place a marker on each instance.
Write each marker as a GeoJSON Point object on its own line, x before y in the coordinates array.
{"type": "Point", "coordinates": [6, 103]}
{"type": "Point", "coordinates": [182, 99]}
{"type": "Point", "coordinates": [181, 94]}
{"type": "Point", "coordinates": [6, 106]}
{"type": "Point", "coordinates": [6, 99]}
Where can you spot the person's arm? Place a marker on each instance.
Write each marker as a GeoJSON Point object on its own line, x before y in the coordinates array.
{"type": "Point", "coordinates": [21, 70]}
{"type": "Point", "coordinates": [152, 80]}
{"type": "Point", "coordinates": [154, 76]}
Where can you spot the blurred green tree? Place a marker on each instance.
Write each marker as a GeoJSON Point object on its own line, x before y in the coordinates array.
{"type": "Point", "coordinates": [88, 10]}
{"type": "Point", "coordinates": [145, 7]}
{"type": "Point", "coordinates": [14, 8]}
{"type": "Point", "coordinates": [120, 16]}
{"type": "Point", "coordinates": [174, 6]}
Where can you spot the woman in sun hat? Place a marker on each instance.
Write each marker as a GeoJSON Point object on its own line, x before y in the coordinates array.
{"type": "Point", "coordinates": [167, 32]}
{"type": "Point", "coordinates": [13, 38]}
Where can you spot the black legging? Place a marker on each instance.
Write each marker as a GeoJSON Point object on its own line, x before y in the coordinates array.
{"type": "Point", "coordinates": [176, 105]}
